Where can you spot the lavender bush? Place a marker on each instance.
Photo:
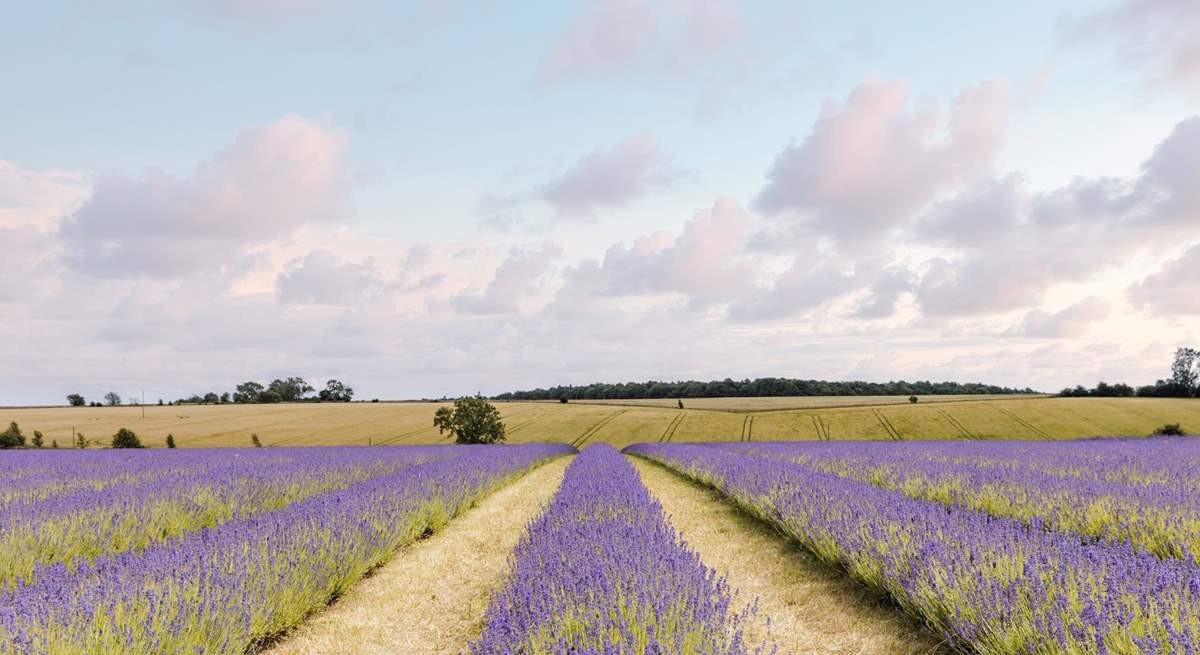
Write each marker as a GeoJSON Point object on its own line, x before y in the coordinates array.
{"type": "Point", "coordinates": [224, 588]}
{"type": "Point", "coordinates": [989, 585]}
{"type": "Point", "coordinates": [600, 571]}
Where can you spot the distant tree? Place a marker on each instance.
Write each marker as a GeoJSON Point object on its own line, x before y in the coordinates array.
{"type": "Point", "coordinates": [211, 398]}
{"type": "Point", "coordinates": [269, 396]}
{"type": "Point", "coordinates": [680, 402]}
{"type": "Point", "coordinates": [1170, 429]}
{"type": "Point", "coordinates": [1185, 370]}
{"type": "Point", "coordinates": [291, 389]}
{"type": "Point", "coordinates": [225, 398]}
{"type": "Point", "coordinates": [913, 399]}
{"type": "Point", "coordinates": [170, 440]}
{"type": "Point", "coordinates": [563, 399]}
{"type": "Point", "coordinates": [125, 438]}
{"type": "Point", "coordinates": [160, 402]}
{"type": "Point", "coordinates": [76, 400]}
{"type": "Point", "coordinates": [54, 443]}
{"type": "Point", "coordinates": [254, 440]}
{"type": "Point", "coordinates": [337, 392]}
{"type": "Point", "coordinates": [472, 420]}
{"type": "Point", "coordinates": [247, 392]}
{"type": "Point", "coordinates": [112, 399]}
{"type": "Point", "coordinates": [12, 437]}
{"type": "Point", "coordinates": [80, 441]}
{"type": "Point", "coordinates": [37, 439]}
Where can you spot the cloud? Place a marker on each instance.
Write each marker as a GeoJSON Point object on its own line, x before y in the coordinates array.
{"type": "Point", "coordinates": [1173, 289]}
{"type": "Point", "coordinates": [1069, 323]}
{"type": "Point", "coordinates": [869, 164]}
{"type": "Point", "coordinates": [321, 279]}
{"type": "Point", "coordinates": [26, 270]}
{"type": "Point", "coordinates": [514, 280]}
{"type": "Point", "coordinates": [704, 262]}
{"type": "Point", "coordinates": [609, 179]}
{"type": "Point", "coordinates": [1156, 36]}
{"type": "Point", "coordinates": [272, 179]}
{"type": "Point", "coordinates": [612, 37]}
{"type": "Point", "coordinates": [38, 198]}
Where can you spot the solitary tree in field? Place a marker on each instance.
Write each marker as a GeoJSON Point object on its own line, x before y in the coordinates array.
{"type": "Point", "coordinates": [170, 441]}
{"type": "Point", "coordinates": [112, 399]}
{"type": "Point", "coordinates": [37, 439]}
{"type": "Point", "coordinates": [472, 420]}
{"type": "Point", "coordinates": [125, 438]}
{"type": "Point", "coordinates": [76, 400]}
{"type": "Point", "coordinates": [1185, 371]}
{"type": "Point", "coordinates": [336, 392]}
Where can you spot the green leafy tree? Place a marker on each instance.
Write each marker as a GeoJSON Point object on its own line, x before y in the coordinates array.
{"type": "Point", "coordinates": [170, 440]}
{"type": "Point", "coordinates": [247, 392]}
{"type": "Point", "coordinates": [211, 398]}
{"type": "Point", "coordinates": [125, 438]}
{"type": "Point", "coordinates": [471, 420]}
{"type": "Point", "coordinates": [12, 437]}
{"type": "Point", "coordinates": [37, 440]}
{"type": "Point", "coordinates": [336, 392]}
{"type": "Point", "coordinates": [1185, 370]}
{"type": "Point", "coordinates": [112, 399]}
{"type": "Point", "coordinates": [291, 389]}
{"type": "Point", "coordinates": [76, 400]}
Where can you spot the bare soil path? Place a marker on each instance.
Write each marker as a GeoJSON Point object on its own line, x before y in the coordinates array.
{"type": "Point", "coordinates": [804, 607]}
{"type": "Point", "coordinates": [430, 597]}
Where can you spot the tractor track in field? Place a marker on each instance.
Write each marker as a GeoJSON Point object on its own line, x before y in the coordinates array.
{"type": "Point", "coordinates": [819, 426]}
{"type": "Point", "coordinates": [748, 428]}
{"type": "Point", "coordinates": [953, 421]}
{"type": "Point", "coordinates": [1026, 424]}
{"type": "Point", "coordinates": [669, 433]}
{"type": "Point", "coordinates": [591, 432]}
{"type": "Point", "coordinates": [887, 425]}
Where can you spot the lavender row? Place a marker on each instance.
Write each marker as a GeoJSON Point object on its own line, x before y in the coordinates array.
{"type": "Point", "coordinates": [989, 585]}
{"type": "Point", "coordinates": [195, 492]}
{"type": "Point", "coordinates": [1142, 492]}
{"type": "Point", "coordinates": [220, 590]}
{"type": "Point", "coordinates": [600, 571]}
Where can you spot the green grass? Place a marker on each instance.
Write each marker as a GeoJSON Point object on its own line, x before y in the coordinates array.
{"type": "Point", "coordinates": [409, 423]}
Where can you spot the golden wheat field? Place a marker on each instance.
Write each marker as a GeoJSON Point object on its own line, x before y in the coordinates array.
{"type": "Point", "coordinates": [310, 424]}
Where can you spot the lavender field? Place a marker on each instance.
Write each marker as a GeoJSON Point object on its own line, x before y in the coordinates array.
{"type": "Point", "coordinates": [213, 551]}
{"type": "Point", "coordinates": [1078, 547]}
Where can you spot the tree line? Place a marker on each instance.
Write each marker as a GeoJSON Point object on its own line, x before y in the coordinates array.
{"type": "Point", "coordinates": [1183, 383]}
{"type": "Point", "coordinates": [287, 390]}
{"type": "Point", "coordinates": [759, 387]}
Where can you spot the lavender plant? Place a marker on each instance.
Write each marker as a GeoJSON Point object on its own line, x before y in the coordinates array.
{"type": "Point", "coordinates": [600, 571]}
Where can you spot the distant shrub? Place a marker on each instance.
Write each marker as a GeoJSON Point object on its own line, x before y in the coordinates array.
{"type": "Point", "coordinates": [254, 440]}
{"type": "Point", "coordinates": [12, 437]}
{"type": "Point", "coordinates": [1170, 429]}
{"type": "Point", "coordinates": [54, 443]}
{"type": "Point", "coordinates": [170, 441]}
{"type": "Point", "coordinates": [562, 399]}
{"type": "Point", "coordinates": [913, 399]}
{"type": "Point", "coordinates": [125, 438]}
{"type": "Point", "coordinates": [80, 441]}
{"type": "Point", "coordinates": [37, 439]}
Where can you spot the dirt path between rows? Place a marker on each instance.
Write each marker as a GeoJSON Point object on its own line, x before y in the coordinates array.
{"type": "Point", "coordinates": [430, 597]}
{"type": "Point", "coordinates": [804, 607]}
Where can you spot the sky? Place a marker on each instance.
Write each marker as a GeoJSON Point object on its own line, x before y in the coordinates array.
{"type": "Point", "coordinates": [441, 198]}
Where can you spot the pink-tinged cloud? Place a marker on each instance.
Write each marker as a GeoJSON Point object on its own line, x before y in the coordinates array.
{"type": "Point", "coordinates": [611, 37]}
{"type": "Point", "coordinates": [322, 279]}
{"type": "Point", "coordinates": [1068, 323]}
{"type": "Point", "coordinates": [1156, 36]}
{"type": "Point", "coordinates": [609, 179]}
{"type": "Point", "coordinates": [1173, 290]}
{"type": "Point", "coordinates": [39, 198]}
{"type": "Point", "coordinates": [520, 275]}
{"type": "Point", "coordinates": [705, 262]}
{"type": "Point", "coordinates": [869, 164]}
{"type": "Point", "coordinates": [272, 179]}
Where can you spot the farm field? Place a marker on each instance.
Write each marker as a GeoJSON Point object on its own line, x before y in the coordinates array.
{"type": "Point", "coordinates": [310, 424]}
{"type": "Point", "coordinates": [771, 403]}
